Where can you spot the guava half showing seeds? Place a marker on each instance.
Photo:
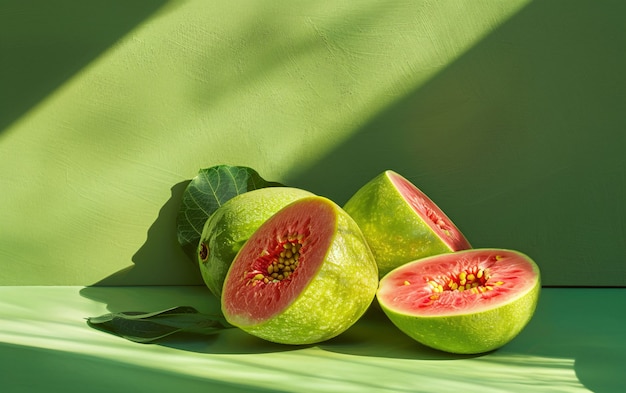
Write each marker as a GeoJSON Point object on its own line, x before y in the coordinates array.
{"type": "Point", "coordinates": [401, 223]}
{"type": "Point", "coordinates": [228, 228]}
{"type": "Point", "coordinates": [466, 302]}
{"type": "Point", "coordinates": [305, 276]}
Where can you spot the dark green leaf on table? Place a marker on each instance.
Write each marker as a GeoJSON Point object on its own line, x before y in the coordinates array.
{"type": "Point", "coordinates": [149, 327]}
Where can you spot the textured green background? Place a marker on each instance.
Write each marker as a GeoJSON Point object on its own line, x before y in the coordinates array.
{"type": "Point", "coordinates": [509, 114]}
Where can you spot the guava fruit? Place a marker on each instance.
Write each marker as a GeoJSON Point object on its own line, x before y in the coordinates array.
{"type": "Point", "coordinates": [231, 224]}
{"type": "Point", "coordinates": [465, 302]}
{"type": "Point", "coordinates": [304, 276]}
{"type": "Point", "coordinates": [401, 223]}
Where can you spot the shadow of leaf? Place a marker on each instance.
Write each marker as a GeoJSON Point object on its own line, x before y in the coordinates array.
{"type": "Point", "coordinates": [160, 260]}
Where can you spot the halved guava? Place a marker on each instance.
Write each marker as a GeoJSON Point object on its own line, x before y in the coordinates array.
{"type": "Point", "coordinates": [401, 223]}
{"type": "Point", "coordinates": [305, 276]}
{"type": "Point", "coordinates": [466, 302]}
{"type": "Point", "coordinates": [228, 228]}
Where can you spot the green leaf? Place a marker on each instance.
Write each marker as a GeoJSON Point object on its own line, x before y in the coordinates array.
{"type": "Point", "coordinates": [207, 191]}
{"type": "Point", "coordinates": [149, 327]}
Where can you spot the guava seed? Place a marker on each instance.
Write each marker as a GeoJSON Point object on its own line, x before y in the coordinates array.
{"type": "Point", "coordinates": [278, 265]}
{"type": "Point", "coordinates": [474, 279]}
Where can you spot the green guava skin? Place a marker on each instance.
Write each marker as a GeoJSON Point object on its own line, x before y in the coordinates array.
{"type": "Point", "coordinates": [228, 228]}
{"type": "Point", "coordinates": [394, 232]}
{"type": "Point", "coordinates": [471, 333]}
{"type": "Point", "coordinates": [335, 298]}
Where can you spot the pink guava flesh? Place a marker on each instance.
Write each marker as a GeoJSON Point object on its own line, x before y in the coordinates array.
{"type": "Point", "coordinates": [431, 286]}
{"type": "Point", "coordinates": [430, 213]}
{"type": "Point", "coordinates": [256, 300]}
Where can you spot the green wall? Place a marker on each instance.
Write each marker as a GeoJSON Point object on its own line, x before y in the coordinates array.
{"type": "Point", "coordinates": [510, 115]}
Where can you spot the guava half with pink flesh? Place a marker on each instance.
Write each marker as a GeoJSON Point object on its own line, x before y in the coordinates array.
{"type": "Point", "coordinates": [228, 228]}
{"type": "Point", "coordinates": [401, 223]}
{"type": "Point", "coordinates": [466, 302]}
{"type": "Point", "coordinates": [304, 276]}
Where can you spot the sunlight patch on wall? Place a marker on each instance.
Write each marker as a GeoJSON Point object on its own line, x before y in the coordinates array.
{"type": "Point", "coordinates": [273, 87]}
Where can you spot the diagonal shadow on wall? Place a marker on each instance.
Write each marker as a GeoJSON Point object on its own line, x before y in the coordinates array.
{"type": "Point", "coordinates": [160, 252]}
{"type": "Point", "coordinates": [43, 43]}
{"type": "Point", "coordinates": [520, 141]}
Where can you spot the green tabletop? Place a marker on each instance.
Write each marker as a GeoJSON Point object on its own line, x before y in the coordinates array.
{"type": "Point", "coordinates": [574, 343]}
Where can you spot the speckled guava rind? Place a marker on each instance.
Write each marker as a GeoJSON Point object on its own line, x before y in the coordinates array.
{"type": "Point", "coordinates": [337, 295]}
{"type": "Point", "coordinates": [228, 228]}
{"type": "Point", "coordinates": [394, 232]}
{"type": "Point", "coordinates": [469, 332]}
